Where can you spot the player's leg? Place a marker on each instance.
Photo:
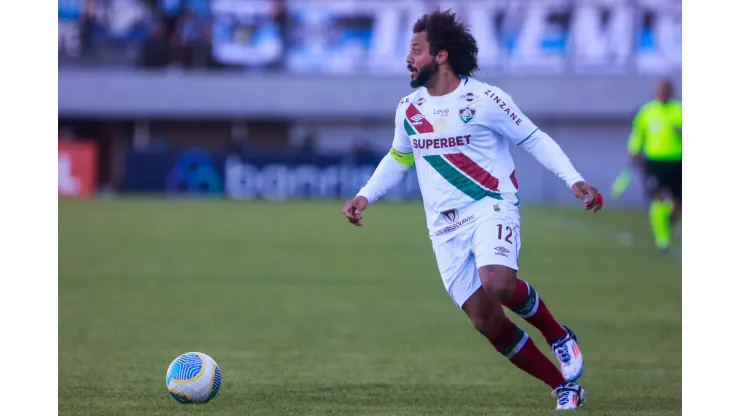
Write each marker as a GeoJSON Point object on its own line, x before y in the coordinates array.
{"type": "Point", "coordinates": [458, 270]}
{"type": "Point", "coordinates": [676, 210]}
{"type": "Point", "coordinates": [660, 207]}
{"type": "Point", "coordinates": [675, 186]}
{"type": "Point", "coordinates": [488, 317]}
{"type": "Point", "coordinates": [460, 277]}
{"type": "Point", "coordinates": [496, 246]}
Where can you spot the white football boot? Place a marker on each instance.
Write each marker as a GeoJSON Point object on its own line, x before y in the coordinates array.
{"type": "Point", "coordinates": [569, 396]}
{"type": "Point", "coordinates": [569, 356]}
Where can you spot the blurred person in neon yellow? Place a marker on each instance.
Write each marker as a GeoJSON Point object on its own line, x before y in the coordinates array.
{"type": "Point", "coordinates": [655, 145]}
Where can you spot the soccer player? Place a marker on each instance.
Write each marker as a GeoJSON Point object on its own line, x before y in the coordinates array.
{"type": "Point", "coordinates": [457, 131]}
{"type": "Point", "coordinates": [656, 145]}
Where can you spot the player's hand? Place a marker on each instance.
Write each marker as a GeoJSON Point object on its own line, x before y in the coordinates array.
{"type": "Point", "coordinates": [636, 160]}
{"type": "Point", "coordinates": [592, 199]}
{"type": "Point", "coordinates": [353, 208]}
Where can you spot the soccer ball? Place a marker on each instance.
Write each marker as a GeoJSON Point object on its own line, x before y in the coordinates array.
{"type": "Point", "coordinates": [193, 377]}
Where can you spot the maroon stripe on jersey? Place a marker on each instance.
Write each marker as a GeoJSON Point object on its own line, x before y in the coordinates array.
{"type": "Point", "coordinates": [513, 179]}
{"type": "Point", "coordinates": [418, 121]}
{"type": "Point", "coordinates": [473, 170]}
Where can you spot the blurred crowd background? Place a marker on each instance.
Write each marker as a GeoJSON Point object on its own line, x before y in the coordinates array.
{"type": "Point", "coordinates": [283, 99]}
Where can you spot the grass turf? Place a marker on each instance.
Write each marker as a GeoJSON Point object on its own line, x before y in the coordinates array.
{"type": "Point", "coordinates": [307, 315]}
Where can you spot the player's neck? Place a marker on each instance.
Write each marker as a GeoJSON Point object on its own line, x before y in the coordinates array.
{"type": "Point", "coordinates": [443, 84]}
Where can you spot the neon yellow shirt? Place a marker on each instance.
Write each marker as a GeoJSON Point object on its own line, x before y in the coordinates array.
{"type": "Point", "coordinates": [656, 131]}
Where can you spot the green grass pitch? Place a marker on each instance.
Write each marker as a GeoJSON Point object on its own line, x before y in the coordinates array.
{"type": "Point", "coordinates": [307, 315]}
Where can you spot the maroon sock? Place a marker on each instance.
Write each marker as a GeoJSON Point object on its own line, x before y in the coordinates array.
{"type": "Point", "coordinates": [514, 344]}
{"type": "Point", "coordinates": [526, 302]}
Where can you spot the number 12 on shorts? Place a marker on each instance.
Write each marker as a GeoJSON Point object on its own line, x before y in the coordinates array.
{"type": "Point", "coordinates": [505, 231]}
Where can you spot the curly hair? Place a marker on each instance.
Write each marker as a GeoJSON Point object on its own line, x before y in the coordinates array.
{"type": "Point", "coordinates": [446, 32]}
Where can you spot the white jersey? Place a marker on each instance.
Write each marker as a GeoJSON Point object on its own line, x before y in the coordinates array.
{"type": "Point", "coordinates": [460, 145]}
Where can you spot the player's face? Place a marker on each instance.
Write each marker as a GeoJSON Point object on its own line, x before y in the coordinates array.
{"type": "Point", "coordinates": [665, 91]}
{"type": "Point", "coordinates": [420, 63]}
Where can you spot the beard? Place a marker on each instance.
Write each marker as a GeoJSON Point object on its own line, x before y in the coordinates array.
{"type": "Point", "coordinates": [424, 74]}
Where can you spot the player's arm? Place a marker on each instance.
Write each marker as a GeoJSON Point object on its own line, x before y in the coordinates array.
{"type": "Point", "coordinates": [635, 143]}
{"type": "Point", "coordinates": [509, 121]}
{"type": "Point", "coordinates": [540, 145]}
{"type": "Point", "coordinates": [390, 171]}
{"type": "Point", "coordinates": [636, 140]}
{"type": "Point", "coordinates": [394, 165]}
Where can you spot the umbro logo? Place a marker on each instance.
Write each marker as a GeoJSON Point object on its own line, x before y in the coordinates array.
{"type": "Point", "coordinates": [502, 251]}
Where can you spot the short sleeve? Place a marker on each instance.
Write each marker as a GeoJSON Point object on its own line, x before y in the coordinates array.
{"type": "Point", "coordinates": [504, 117]}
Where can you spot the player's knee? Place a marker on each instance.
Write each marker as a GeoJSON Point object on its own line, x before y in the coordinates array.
{"type": "Point", "coordinates": [498, 281]}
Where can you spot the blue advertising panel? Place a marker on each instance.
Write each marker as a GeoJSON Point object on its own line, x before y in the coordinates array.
{"type": "Point", "coordinates": [258, 176]}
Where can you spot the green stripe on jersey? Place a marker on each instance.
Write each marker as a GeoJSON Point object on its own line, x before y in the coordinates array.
{"type": "Point", "coordinates": [459, 180]}
{"type": "Point", "coordinates": [409, 130]}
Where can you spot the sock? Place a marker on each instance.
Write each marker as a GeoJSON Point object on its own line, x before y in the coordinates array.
{"type": "Point", "coordinates": [526, 303]}
{"type": "Point", "coordinates": [514, 344]}
{"type": "Point", "coordinates": [660, 214]}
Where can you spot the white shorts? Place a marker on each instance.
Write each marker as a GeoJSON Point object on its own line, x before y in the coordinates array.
{"type": "Point", "coordinates": [491, 240]}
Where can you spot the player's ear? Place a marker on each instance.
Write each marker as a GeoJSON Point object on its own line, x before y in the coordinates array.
{"type": "Point", "coordinates": [441, 57]}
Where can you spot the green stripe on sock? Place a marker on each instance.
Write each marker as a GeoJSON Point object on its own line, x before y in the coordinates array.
{"type": "Point", "coordinates": [515, 345]}
{"type": "Point", "coordinates": [459, 180]}
{"type": "Point", "coordinates": [529, 305]}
